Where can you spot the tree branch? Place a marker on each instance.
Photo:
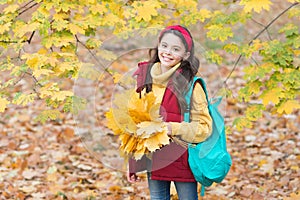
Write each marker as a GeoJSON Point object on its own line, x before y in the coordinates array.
{"type": "Point", "coordinates": [94, 56]}
{"type": "Point", "coordinates": [23, 11]}
{"type": "Point", "coordinates": [23, 41]}
{"type": "Point", "coordinates": [267, 30]}
{"type": "Point", "coordinates": [256, 36]}
{"type": "Point", "coordinates": [24, 6]}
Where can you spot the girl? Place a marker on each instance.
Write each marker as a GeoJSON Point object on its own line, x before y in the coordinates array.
{"type": "Point", "coordinates": [168, 74]}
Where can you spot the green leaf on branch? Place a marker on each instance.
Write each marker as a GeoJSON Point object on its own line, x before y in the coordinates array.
{"type": "Point", "coordinates": [242, 122]}
{"type": "Point", "coordinates": [213, 57]}
{"type": "Point", "coordinates": [289, 30]}
{"type": "Point", "coordinates": [46, 115]}
{"type": "Point", "coordinates": [254, 72]}
{"type": "Point", "coordinates": [251, 88]}
{"type": "Point", "coordinates": [219, 32]}
{"type": "Point", "coordinates": [23, 99]}
{"type": "Point", "coordinates": [254, 112]}
{"type": "Point", "coordinates": [232, 48]}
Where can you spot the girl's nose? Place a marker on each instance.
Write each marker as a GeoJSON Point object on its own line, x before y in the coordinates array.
{"type": "Point", "coordinates": [168, 51]}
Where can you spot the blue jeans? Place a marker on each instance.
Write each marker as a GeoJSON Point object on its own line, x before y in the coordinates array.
{"type": "Point", "coordinates": [160, 190]}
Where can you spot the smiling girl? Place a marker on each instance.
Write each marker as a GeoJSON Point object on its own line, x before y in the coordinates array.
{"type": "Point", "coordinates": [168, 74]}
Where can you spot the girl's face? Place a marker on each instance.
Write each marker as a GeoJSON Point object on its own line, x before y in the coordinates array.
{"type": "Point", "coordinates": [171, 50]}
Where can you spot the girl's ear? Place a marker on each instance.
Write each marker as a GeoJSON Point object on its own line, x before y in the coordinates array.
{"type": "Point", "coordinates": [186, 55]}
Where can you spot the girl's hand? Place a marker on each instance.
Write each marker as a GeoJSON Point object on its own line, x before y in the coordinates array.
{"type": "Point", "coordinates": [132, 178]}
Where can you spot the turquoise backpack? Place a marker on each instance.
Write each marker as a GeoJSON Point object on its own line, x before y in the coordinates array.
{"type": "Point", "coordinates": [209, 160]}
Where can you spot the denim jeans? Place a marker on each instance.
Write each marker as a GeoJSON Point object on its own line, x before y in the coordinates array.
{"type": "Point", "coordinates": [160, 190]}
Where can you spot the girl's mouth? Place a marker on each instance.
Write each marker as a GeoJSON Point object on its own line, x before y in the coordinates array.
{"type": "Point", "coordinates": [167, 59]}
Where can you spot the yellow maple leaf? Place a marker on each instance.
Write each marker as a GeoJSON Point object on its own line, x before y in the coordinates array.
{"type": "Point", "coordinates": [33, 62]}
{"type": "Point", "coordinates": [61, 95]}
{"type": "Point", "coordinates": [111, 122]}
{"type": "Point", "coordinates": [39, 72]}
{"type": "Point", "coordinates": [147, 128]}
{"type": "Point", "coordinates": [157, 141]}
{"type": "Point", "coordinates": [146, 9]}
{"type": "Point", "coordinates": [256, 5]}
{"type": "Point", "coordinates": [288, 107]}
{"type": "Point", "coordinates": [136, 120]}
{"type": "Point", "coordinates": [3, 104]}
{"type": "Point", "coordinates": [74, 29]}
{"type": "Point", "coordinates": [204, 14]}
{"type": "Point", "coordinates": [25, 28]}
{"type": "Point", "coordinates": [140, 108]}
{"type": "Point", "coordinates": [24, 99]}
{"type": "Point", "coordinates": [130, 145]}
{"type": "Point", "coordinates": [124, 138]}
{"type": "Point", "coordinates": [11, 8]}
{"type": "Point", "coordinates": [5, 27]}
{"type": "Point", "coordinates": [124, 121]}
{"type": "Point", "coordinates": [272, 95]}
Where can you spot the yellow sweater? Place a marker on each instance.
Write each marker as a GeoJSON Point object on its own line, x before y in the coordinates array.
{"type": "Point", "coordinates": [200, 126]}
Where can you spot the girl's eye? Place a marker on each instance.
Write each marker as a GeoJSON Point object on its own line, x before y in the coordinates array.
{"type": "Point", "coordinates": [176, 49]}
{"type": "Point", "coordinates": [164, 46]}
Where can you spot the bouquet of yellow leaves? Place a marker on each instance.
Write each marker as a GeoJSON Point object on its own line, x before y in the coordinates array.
{"type": "Point", "coordinates": [137, 123]}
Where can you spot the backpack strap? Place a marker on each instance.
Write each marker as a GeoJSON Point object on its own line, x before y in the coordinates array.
{"type": "Point", "coordinates": [188, 96]}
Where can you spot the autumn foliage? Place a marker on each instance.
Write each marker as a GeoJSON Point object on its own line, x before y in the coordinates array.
{"type": "Point", "coordinates": [138, 124]}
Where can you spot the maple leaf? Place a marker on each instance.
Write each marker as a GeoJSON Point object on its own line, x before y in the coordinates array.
{"type": "Point", "coordinates": [130, 145]}
{"type": "Point", "coordinates": [156, 141]}
{"type": "Point", "coordinates": [11, 8]}
{"type": "Point", "coordinates": [241, 122]}
{"type": "Point", "coordinates": [219, 32]}
{"type": "Point", "coordinates": [40, 72]}
{"type": "Point", "coordinates": [254, 112]}
{"type": "Point", "coordinates": [3, 104]}
{"type": "Point", "coordinates": [256, 5]}
{"type": "Point", "coordinates": [4, 27]}
{"type": "Point", "coordinates": [272, 95]}
{"type": "Point", "coordinates": [111, 122]}
{"type": "Point", "coordinates": [23, 99]}
{"type": "Point", "coordinates": [136, 121]}
{"type": "Point", "coordinates": [204, 14]}
{"type": "Point", "coordinates": [140, 109]}
{"type": "Point", "coordinates": [61, 95]}
{"type": "Point", "coordinates": [146, 9]}
{"type": "Point", "coordinates": [288, 106]}
{"type": "Point", "coordinates": [47, 114]}
{"type": "Point", "coordinates": [147, 128]}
